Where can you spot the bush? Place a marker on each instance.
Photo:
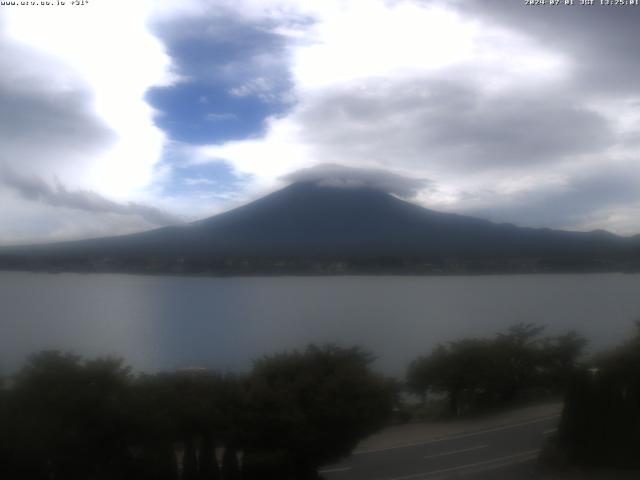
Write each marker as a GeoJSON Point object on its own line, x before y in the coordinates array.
{"type": "Point", "coordinates": [67, 418]}
{"type": "Point", "coordinates": [485, 372]}
{"type": "Point", "coordinates": [601, 420]}
{"type": "Point", "coordinates": [316, 405]}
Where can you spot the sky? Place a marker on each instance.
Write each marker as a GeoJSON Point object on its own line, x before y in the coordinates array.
{"type": "Point", "coordinates": [118, 116]}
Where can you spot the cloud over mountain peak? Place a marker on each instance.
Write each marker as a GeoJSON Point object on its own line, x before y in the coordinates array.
{"type": "Point", "coordinates": [334, 175]}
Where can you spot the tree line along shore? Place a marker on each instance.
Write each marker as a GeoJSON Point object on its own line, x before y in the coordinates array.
{"type": "Point", "coordinates": [65, 417]}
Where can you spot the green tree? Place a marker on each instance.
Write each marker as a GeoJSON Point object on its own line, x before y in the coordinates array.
{"type": "Point", "coordinates": [516, 360]}
{"type": "Point", "coordinates": [459, 369]}
{"type": "Point", "coordinates": [600, 423]}
{"type": "Point", "coordinates": [560, 357]}
{"type": "Point", "coordinates": [6, 458]}
{"type": "Point", "coordinates": [310, 408]}
{"type": "Point", "coordinates": [476, 372]}
{"type": "Point", "coordinates": [70, 417]}
{"type": "Point", "coordinates": [67, 418]}
{"type": "Point", "coordinates": [191, 410]}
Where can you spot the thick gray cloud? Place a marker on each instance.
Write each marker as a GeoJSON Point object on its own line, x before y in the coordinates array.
{"type": "Point", "coordinates": [600, 39]}
{"type": "Point", "coordinates": [445, 125]}
{"type": "Point", "coordinates": [34, 123]}
{"type": "Point", "coordinates": [49, 128]}
{"type": "Point", "coordinates": [37, 190]}
{"type": "Point", "coordinates": [47, 122]}
{"type": "Point", "coordinates": [474, 142]}
{"type": "Point", "coordinates": [334, 175]}
{"type": "Point", "coordinates": [225, 50]}
{"type": "Point", "coordinates": [606, 196]}
{"type": "Point", "coordinates": [522, 126]}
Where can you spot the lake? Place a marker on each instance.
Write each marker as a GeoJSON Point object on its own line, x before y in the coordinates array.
{"type": "Point", "coordinates": [159, 323]}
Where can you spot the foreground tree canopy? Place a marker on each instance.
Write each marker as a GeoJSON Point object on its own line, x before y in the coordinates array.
{"type": "Point", "coordinates": [65, 418]}
{"type": "Point", "coordinates": [600, 424]}
{"type": "Point", "coordinates": [476, 372]}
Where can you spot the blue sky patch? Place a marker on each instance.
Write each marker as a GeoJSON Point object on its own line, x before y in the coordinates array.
{"type": "Point", "coordinates": [235, 75]}
{"type": "Point", "coordinates": [217, 177]}
{"type": "Point", "coordinates": [200, 114]}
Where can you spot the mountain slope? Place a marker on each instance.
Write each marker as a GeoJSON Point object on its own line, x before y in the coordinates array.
{"type": "Point", "coordinates": [309, 221]}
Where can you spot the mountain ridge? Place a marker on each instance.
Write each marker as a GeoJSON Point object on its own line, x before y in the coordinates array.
{"type": "Point", "coordinates": [307, 222]}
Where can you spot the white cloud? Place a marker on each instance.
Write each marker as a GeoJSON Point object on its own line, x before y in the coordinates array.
{"type": "Point", "coordinates": [372, 52]}
{"type": "Point", "coordinates": [476, 101]}
{"type": "Point", "coordinates": [35, 222]}
{"type": "Point", "coordinates": [487, 111]}
{"type": "Point", "coordinates": [338, 176]}
{"type": "Point", "coordinates": [105, 47]}
{"type": "Point", "coordinates": [35, 189]}
{"type": "Point", "coordinates": [73, 81]}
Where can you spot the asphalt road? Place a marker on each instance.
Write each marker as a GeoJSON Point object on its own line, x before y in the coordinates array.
{"type": "Point", "coordinates": [506, 452]}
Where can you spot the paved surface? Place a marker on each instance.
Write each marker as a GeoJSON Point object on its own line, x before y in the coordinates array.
{"type": "Point", "coordinates": [409, 433]}
{"type": "Point", "coordinates": [498, 451]}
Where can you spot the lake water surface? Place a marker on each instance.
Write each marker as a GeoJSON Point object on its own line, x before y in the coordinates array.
{"type": "Point", "coordinates": [169, 322]}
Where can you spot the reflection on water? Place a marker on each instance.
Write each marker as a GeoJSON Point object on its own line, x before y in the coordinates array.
{"type": "Point", "coordinates": [168, 322]}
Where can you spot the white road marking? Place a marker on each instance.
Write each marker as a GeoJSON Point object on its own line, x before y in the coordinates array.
{"type": "Point", "coordinates": [335, 470]}
{"type": "Point", "coordinates": [455, 437]}
{"type": "Point", "coordinates": [510, 459]}
{"type": "Point", "coordinates": [470, 449]}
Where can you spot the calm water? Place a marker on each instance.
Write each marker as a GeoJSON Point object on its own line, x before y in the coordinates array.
{"type": "Point", "coordinates": [168, 322]}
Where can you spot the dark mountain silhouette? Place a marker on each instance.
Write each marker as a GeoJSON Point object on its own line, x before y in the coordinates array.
{"type": "Point", "coordinates": [309, 223]}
